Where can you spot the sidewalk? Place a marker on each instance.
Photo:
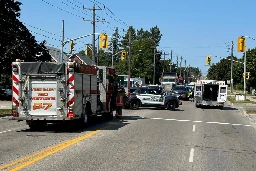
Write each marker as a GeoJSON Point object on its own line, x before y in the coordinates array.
{"type": "Point", "coordinates": [247, 109]}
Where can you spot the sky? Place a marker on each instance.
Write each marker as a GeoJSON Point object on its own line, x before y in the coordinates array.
{"type": "Point", "coordinates": [192, 29]}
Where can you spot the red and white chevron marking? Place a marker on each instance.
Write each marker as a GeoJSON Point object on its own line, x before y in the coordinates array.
{"type": "Point", "coordinates": [15, 92]}
{"type": "Point", "coordinates": [70, 84]}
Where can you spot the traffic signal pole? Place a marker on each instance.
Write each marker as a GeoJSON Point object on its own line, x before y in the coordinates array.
{"type": "Point", "coordinates": [231, 75]}
{"type": "Point", "coordinates": [129, 63]}
{"type": "Point", "coordinates": [62, 42]}
{"type": "Point", "coordinates": [245, 74]}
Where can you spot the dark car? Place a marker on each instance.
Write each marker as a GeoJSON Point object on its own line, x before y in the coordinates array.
{"type": "Point", "coordinates": [181, 91]}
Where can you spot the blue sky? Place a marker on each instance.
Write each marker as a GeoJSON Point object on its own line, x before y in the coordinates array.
{"type": "Point", "coordinates": [193, 29]}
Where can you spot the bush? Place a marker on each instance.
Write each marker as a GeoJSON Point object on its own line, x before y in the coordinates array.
{"type": "Point", "coordinates": [239, 87]}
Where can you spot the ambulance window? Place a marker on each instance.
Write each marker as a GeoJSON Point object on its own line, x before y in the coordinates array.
{"type": "Point", "coordinates": [223, 90]}
{"type": "Point", "coordinates": [198, 88]}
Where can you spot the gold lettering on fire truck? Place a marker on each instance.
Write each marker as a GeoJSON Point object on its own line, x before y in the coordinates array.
{"type": "Point", "coordinates": [42, 95]}
{"type": "Point", "coordinates": [43, 89]}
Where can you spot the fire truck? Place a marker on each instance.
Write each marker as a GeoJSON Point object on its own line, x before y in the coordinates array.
{"type": "Point", "coordinates": [49, 92]}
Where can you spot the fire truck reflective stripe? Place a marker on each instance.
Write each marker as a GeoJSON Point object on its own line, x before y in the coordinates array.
{"type": "Point", "coordinates": [70, 79]}
{"type": "Point", "coordinates": [15, 79]}
{"type": "Point", "coordinates": [72, 100]}
{"type": "Point", "coordinates": [15, 101]}
{"type": "Point", "coordinates": [14, 89]}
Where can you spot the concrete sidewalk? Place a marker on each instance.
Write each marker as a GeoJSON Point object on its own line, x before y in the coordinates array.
{"type": "Point", "coordinates": [5, 104]}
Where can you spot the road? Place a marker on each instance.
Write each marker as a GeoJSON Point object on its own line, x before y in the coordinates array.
{"type": "Point", "coordinates": [189, 139]}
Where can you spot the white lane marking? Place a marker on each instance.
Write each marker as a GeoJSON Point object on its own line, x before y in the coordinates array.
{"type": "Point", "coordinates": [220, 123]}
{"type": "Point", "coordinates": [4, 131]}
{"type": "Point", "coordinates": [194, 128]}
{"type": "Point", "coordinates": [1, 132]}
{"type": "Point", "coordinates": [191, 155]}
{"type": "Point", "coordinates": [212, 122]}
{"type": "Point", "coordinates": [170, 119]}
{"type": "Point", "coordinates": [224, 123]}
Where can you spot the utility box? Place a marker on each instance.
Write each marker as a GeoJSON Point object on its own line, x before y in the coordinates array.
{"type": "Point", "coordinates": [240, 97]}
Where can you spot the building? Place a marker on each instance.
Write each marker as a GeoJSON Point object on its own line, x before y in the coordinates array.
{"type": "Point", "coordinates": [81, 59]}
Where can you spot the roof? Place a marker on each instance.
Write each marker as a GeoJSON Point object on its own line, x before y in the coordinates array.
{"type": "Point", "coordinates": [83, 58]}
{"type": "Point", "coordinates": [56, 53]}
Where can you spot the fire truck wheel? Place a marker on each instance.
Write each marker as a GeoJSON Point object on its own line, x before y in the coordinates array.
{"type": "Point", "coordinates": [134, 105]}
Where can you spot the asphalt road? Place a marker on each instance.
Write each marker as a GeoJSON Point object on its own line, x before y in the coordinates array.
{"type": "Point", "coordinates": [189, 139]}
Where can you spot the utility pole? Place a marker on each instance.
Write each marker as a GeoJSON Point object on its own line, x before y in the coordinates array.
{"type": "Point", "coordinates": [129, 63]}
{"type": "Point", "coordinates": [112, 56]}
{"type": "Point", "coordinates": [180, 64]}
{"type": "Point", "coordinates": [185, 70]}
{"type": "Point", "coordinates": [177, 62]}
{"type": "Point", "coordinates": [93, 27]}
{"type": "Point", "coordinates": [62, 42]}
{"type": "Point", "coordinates": [154, 66]}
{"type": "Point", "coordinates": [164, 60]}
{"type": "Point", "coordinates": [98, 50]}
{"type": "Point", "coordinates": [231, 75]}
{"type": "Point", "coordinates": [171, 62]}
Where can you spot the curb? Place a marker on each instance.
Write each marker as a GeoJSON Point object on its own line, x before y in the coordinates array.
{"type": "Point", "coordinates": [5, 115]}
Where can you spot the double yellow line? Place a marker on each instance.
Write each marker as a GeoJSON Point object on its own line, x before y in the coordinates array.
{"type": "Point", "coordinates": [28, 160]}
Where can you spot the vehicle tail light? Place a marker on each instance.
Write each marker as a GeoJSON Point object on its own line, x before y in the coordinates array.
{"type": "Point", "coordinates": [70, 113]}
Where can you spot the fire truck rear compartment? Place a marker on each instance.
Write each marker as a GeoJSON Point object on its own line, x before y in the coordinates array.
{"type": "Point", "coordinates": [210, 92]}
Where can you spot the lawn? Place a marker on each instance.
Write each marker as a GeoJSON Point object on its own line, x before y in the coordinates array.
{"type": "Point", "coordinates": [5, 112]}
{"type": "Point", "coordinates": [233, 100]}
{"type": "Point", "coordinates": [251, 111]}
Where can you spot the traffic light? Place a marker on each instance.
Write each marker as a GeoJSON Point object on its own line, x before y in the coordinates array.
{"type": "Point", "coordinates": [208, 60]}
{"type": "Point", "coordinates": [71, 46]}
{"type": "Point", "coordinates": [87, 50]}
{"type": "Point", "coordinates": [243, 75]}
{"type": "Point", "coordinates": [248, 75]}
{"type": "Point", "coordinates": [103, 41]}
{"type": "Point", "coordinates": [241, 44]}
{"type": "Point", "coordinates": [123, 56]}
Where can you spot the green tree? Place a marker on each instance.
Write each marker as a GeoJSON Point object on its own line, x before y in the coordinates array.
{"type": "Point", "coordinates": [16, 41]}
{"type": "Point", "coordinates": [143, 43]}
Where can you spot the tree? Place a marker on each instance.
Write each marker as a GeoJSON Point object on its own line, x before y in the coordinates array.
{"type": "Point", "coordinates": [143, 43]}
{"type": "Point", "coordinates": [16, 41]}
{"type": "Point", "coordinates": [222, 71]}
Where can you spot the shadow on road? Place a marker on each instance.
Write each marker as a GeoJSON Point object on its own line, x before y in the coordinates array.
{"type": "Point", "coordinates": [154, 108]}
{"type": "Point", "coordinates": [214, 107]}
{"type": "Point", "coordinates": [96, 124]}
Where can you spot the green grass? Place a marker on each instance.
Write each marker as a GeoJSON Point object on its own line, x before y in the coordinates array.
{"type": "Point", "coordinates": [5, 112]}
{"type": "Point", "coordinates": [233, 100]}
{"type": "Point", "coordinates": [251, 111]}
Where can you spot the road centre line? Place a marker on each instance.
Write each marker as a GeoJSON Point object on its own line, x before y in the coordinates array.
{"type": "Point", "coordinates": [220, 123]}
{"type": "Point", "coordinates": [191, 155]}
{"type": "Point", "coordinates": [194, 128]}
{"type": "Point", "coordinates": [30, 159]}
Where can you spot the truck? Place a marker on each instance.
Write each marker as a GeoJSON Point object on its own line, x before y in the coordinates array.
{"type": "Point", "coordinates": [169, 78]}
{"type": "Point", "coordinates": [49, 92]}
{"type": "Point", "coordinates": [210, 95]}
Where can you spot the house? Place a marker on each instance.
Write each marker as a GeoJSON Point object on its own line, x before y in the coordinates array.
{"type": "Point", "coordinates": [81, 59]}
{"type": "Point", "coordinates": [56, 54]}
